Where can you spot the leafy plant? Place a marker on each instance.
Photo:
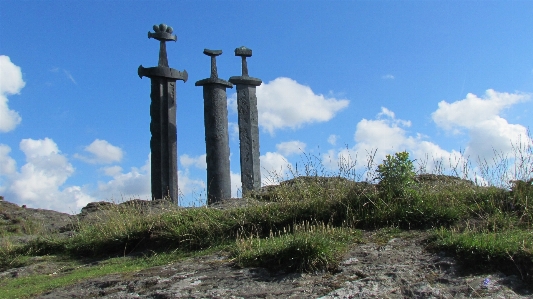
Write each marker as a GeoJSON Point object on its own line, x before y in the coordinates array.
{"type": "Point", "coordinates": [396, 175]}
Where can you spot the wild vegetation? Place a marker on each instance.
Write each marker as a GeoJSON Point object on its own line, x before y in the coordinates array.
{"type": "Point", "coordinates": [481, 215]}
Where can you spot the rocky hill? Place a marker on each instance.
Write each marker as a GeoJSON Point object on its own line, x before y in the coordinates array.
{"type": "Point", "coordinates": [387, 264]}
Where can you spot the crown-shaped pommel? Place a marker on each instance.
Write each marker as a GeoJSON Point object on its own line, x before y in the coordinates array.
{"type": "Point", "coordinates": [162, 33]}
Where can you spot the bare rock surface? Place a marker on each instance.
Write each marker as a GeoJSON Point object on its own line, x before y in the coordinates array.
{"type": "Point", "coordinates": [398, 268]}
{"type": "Point", "coordinates": [381, 267]}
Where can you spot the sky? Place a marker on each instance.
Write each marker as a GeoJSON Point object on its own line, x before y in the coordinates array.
{"type": "Point", "coordinates": [447, 81]}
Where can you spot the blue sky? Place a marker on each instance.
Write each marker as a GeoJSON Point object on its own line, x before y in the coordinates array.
{"type": "Point", "coordinates": [447, 80]}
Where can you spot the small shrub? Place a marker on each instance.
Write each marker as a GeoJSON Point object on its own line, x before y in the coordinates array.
{"type": "Point", "coordinates": [396, 175]}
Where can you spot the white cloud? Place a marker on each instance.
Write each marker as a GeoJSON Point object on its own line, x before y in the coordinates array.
{"type": "Point", "coordinates": [102, 152]}
{"type": "Point", "coordinates": [478, 117]}
{"type": "Point", "coordinates": [386, 112]}
{"type": "Point", "coordinates": [136, 183]}
{"type": "Point", "coordinates": [112, 170]}
{"type": "Point", "coordinates": [187, 185]}
{"type": "Point", "coordinates": [8, 165]}
{"type": "Point", "coordinates": [332, 139]}
{"type": "Point", "coordinates": [481, 118]}
{"type": "Point", "coordinates": [233, 129]}
{"type": "Point", "coordinates": [198, 162]}
{"type": "Point", "coordinates": [473, 111]}
{"type": "Point", "coordinates": [382, 136]}
{"type": "Point", "coordinates": [274, 168]}
{"type": "Point", "coordinates": [44, 171]}
{"type": "Point", "coordinates": [192, 189]}
{"type": "Point", "coordinates": [79, 196]}
{"type": "Point", "coordinates": [39, 181]}
{"type": "Point", "coordinates": [126, 186]}
{"type": "Point", "coordinates": [38, 148]}
{"type": "Point", "coordinates": [387, 77]}
{"type": "Point", "coordinates": [284, 103]}
{"type": "Point", "coordinates": [291, 147]}
{"type": "Point", "coordinates": [236, 185]}
{"type": "Point", "coordinates": [232, 102]}
{"type": "Point", "coordinates": [10, 83]}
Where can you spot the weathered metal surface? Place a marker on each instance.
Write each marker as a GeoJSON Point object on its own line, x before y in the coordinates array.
{"type": "Point", "coordinates": [248, 124]}
{"type": "Point", "coordinates": [216, 133]}
{"type": "Point", "coordinates": [163, 144]}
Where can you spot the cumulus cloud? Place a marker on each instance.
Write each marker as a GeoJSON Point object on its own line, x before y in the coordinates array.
{"type": "Point", "coordinates": [198, 162]}
{"type": "Point", "coordinates": [126, 185]}
{"type": "Point", "coordinates": [102, 152]}
{"type": "Point", "coordinates": [192, 189]}
{"type": "Point", "coordinates": [46, 169]}
{"type": "Point", "coordinates": [42, 181]}
{"type": "Point", "coordinates": [274, 168]}
{"type": "Point", "coordinates": [472, 110]}
{"type": "Point", "coordinates": [384, 135]}
{"type": "Point", "coordinates": [291, 147]}
{"type": "Point", "coordinates": [136, 183]}
{"type": "Point", "coordinates": [8, 165]}
{"type": "Point", "coordinates": [188, 185]}
{"type": "Point", "coordinates": [10, 83]}
{"type": "Point", "coordinates": [284, 103]}
{"type": "Point", "coordinates": [79, 196]}
{"type": "Point", "coordinates": [38, 182]}
{"type": "Point", "coordinates": [481, 119]}
{"type": "Point", "coordinates": [112, 170]}
{"type": "Point", "coordinates": [387, 77]}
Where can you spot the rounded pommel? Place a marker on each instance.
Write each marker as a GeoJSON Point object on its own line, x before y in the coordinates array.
{"type": "Point", "coordinates": [243, 51]}
{"type": "Point", "coordinates": [162, 33]}
{"type": "Point", "coordinates": [212, 52]}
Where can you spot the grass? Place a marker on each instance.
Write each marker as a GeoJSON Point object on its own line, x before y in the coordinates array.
{"type": "Point", "coordinates": [301, 248]}
{"type": "Point", "coordinates": [71, 271]}
{"type": "Point", "coordinates": [305, 224]}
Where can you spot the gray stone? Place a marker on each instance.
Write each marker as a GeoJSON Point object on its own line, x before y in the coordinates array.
{"type": "Point", "coordinates": [216, 133]}
{"type": "Point", "coordinates": [163, 143]}
{"type": "Point", "coordinates": [248, 124]}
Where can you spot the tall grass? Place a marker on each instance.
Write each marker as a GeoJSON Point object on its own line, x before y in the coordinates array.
{"type": "Point", "coordinates": [482, 214]}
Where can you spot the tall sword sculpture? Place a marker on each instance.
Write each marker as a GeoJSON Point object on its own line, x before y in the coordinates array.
{"type": "Point", "coordinates": [216, 132]}
{"type": "Point", "coordinates": [248, 124]}
{"type": "Point", "coordinates": [163, 143]}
